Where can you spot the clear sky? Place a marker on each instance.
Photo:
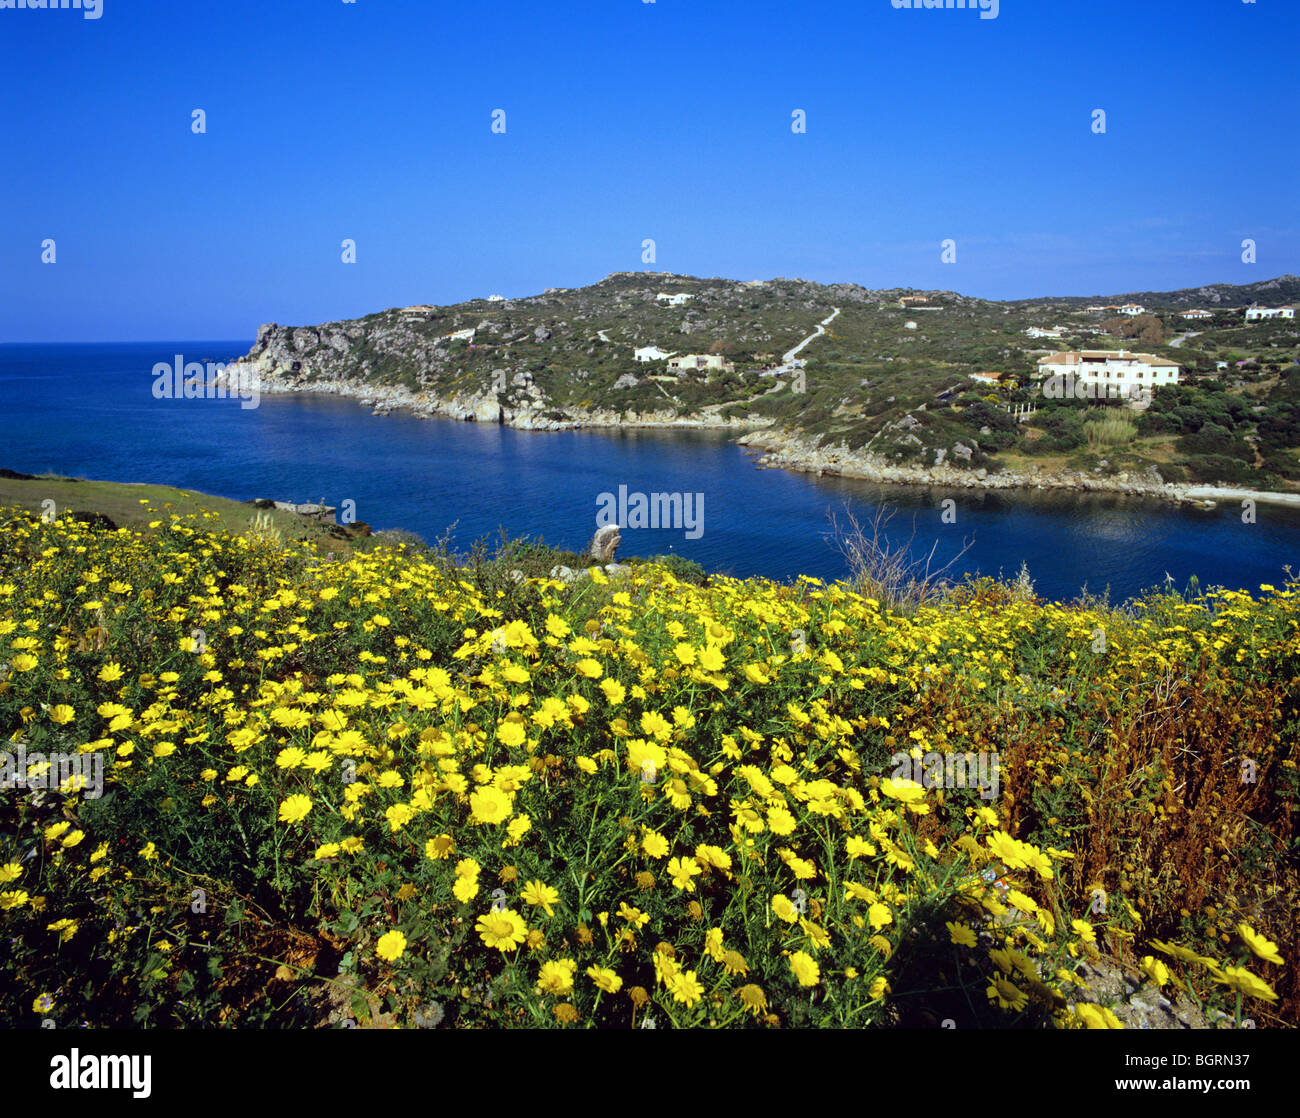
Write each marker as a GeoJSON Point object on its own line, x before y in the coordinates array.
{"type": "Point", "coordinates": [624, 121]}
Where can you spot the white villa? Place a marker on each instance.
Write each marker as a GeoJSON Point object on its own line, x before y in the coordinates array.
{"type": "Point", "coordinates": [910, 324]}
{"type": "Point", "coordinates": [690, 362]}
{"type": "Point", "coordinates": [496, 299]}
{"type": "Point", "coordinates": [460, 335]}
{"type": "Point", "coordinates": [1197, 313]}
{"type": "Point", "coordinates": [1101, 373]}
{"type": "Point", "coordinates": [1132, 309]}
{"type": "Point", "coordinates": [678, 300]}
{"type": "Point", "coordinates": [1255, 312]}
{"type": "Point", "coordinates": [1041, 332]}
{"type": "Point", "coordinates": [650, 353]}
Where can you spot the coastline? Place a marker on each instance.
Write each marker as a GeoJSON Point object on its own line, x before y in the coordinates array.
{"type": "Point", "coordinates": [779, 450]}
{"type": "Point", "coordinates": [776, 448]}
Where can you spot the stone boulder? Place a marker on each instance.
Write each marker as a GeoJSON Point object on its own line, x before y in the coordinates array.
{"type": "Point", "coordinates": [604, 544]}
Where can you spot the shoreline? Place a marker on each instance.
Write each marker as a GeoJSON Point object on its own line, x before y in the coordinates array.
{"type": "Point", "coordinates": [779, 450]}
{"type": "Point", "coordinates": [776, 448]}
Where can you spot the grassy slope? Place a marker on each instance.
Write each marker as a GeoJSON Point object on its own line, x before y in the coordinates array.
{"type": "Point", "coordinates": [134, 505]}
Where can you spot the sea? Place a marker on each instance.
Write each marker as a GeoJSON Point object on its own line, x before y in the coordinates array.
{"type": "Point", "coordinates": [91, 410]}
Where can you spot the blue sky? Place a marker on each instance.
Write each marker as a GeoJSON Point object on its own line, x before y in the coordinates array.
{"type": "Point", "coordinates": [624, 121]}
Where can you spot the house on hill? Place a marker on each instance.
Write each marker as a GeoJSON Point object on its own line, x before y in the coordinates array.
{"type": "Point", "coordinates": [678, 300]}
{"type": "Point", "coordinates": [1103, 374]}
{"type": "Point", "coordinates": [694, 362]}
{"type": "Point", "coordinates": [1255, 312]}
{"type": "Point", "coordinates": [1197, 314]}
{"type": "Point", "coordinates": [650, 353]}
{"type": "Point", "coordinates": [1132, 309]}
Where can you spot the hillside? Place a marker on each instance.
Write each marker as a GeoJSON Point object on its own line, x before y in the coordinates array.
{"type": "Point", "coordinates": [887, 383]}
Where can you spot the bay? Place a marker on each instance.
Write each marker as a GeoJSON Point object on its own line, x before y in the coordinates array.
{"type": "Point", "coordinates": [88, 410]}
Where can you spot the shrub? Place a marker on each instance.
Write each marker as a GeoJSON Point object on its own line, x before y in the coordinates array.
{"type": "Point", "coordinates": [1111, 430]}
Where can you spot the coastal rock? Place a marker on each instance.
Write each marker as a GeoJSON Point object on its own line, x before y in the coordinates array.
{"type": "Point", "coordinates": [318, 511]}
{"type": "Point", "coordinates": [488, 411]}
{"type": "Point", "coordinates": [604, 544]}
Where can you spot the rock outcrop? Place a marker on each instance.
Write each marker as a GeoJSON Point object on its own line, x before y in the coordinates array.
{"type": "Point", "coordinates": [604, 545]}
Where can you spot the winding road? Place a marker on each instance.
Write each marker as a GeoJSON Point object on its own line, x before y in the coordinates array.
{"type": "Point", "coordinates": [821, 329]}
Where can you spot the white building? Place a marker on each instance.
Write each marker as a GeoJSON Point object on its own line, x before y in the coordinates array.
{"type": "Point", "coordinates": [1256, 312]}
{"type": "Point", "coordinates": [678, 300]}
{"type": "Point", "coordinates": [461, 335]}
{"type": "Point", "coordinates": [1132, 309]}
{"type": "Point", "coordinates": [1040, 332]}
{"type": "Point", "coordinates": [650, 353]}
{"type": "Point", "coordinates": [690, 362]}
{"type": "Point", "coordinates": [1197, 314]}
{"type": "Point", "coordinates": [496, 298]}
{"type": "Point", "coordinates": [909, 325]}
{"type": "Point", "coordinates": [1103, 374]}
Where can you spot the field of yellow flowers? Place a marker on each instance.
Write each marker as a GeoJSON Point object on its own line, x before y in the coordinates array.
{"type": "Point", "coordinates": [384, 789]}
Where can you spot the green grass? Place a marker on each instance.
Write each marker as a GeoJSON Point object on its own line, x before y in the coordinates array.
{"type": "Point", "coordinates": [135, 505]}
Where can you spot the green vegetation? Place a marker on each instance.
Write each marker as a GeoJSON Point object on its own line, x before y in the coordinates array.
{"type": "Point", "coordinates": [1110, 430]}
{"type": "Point", "coordinates": [397, 790]}
{"type": "Point", "coordinates": [869, 382]}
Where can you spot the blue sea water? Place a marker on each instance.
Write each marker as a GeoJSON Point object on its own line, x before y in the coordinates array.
{"type": "Point", "coordinates": [89, 410]}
